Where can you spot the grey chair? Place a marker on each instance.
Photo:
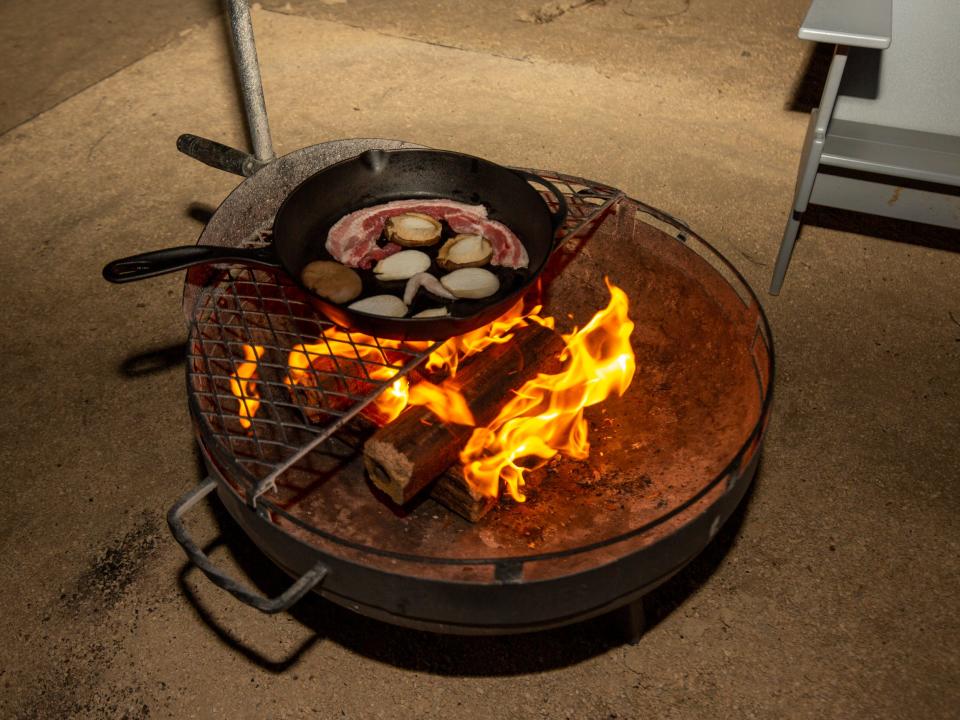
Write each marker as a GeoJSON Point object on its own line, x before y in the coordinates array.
{"type": "Point", "coordinates": [886, 137]}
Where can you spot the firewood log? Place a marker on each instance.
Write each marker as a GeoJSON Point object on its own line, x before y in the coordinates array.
{"type": "Point", "coordinates": [406, 455]}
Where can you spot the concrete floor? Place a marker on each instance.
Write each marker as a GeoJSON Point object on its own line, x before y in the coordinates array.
{"type": "Point", "coordinates": [832, 594]}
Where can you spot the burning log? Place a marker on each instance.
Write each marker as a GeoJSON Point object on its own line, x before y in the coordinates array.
{"type": "Point", "coordinates": [454, 492]}
{"type": "Point", "coordinates": [450, 489]}
{"type": "Point", "coordinates": [404, 456]}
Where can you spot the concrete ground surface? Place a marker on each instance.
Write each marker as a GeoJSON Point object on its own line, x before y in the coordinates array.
{"type": "Point", "coordinates": [832, 593]}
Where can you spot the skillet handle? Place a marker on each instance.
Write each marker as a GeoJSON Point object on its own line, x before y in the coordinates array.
{"type": "Point", "coordinates": [556, 216]}
{"type": "Point", "coordinates": [161, 262]}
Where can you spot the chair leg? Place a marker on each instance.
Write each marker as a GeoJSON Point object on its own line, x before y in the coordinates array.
{"type": "Point", "coordinates": [786, 251]}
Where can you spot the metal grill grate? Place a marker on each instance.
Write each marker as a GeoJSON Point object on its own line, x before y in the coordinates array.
{"type": "Point", "coordinates": [246, 323]}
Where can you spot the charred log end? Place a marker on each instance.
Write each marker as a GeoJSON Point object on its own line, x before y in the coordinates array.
{"type": "Point", "coordinates": [390, 469]}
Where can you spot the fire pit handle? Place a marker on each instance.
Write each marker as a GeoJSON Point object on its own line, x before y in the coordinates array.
{"type": "Point", "coordinates": [218, 577]}
{"type": "Point", "coordinates": [556, 216]}
{"type": "Point", "coordinates": [217, 155]}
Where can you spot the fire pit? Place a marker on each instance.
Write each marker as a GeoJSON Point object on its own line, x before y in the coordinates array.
{"type": "Point", "coordinates": [669, 460]}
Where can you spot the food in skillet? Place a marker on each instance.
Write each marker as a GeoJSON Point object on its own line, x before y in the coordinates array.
{"type": "Point", "coordinates": [332, 280]}
{"type": "Point", "coordinates": [402, 266]}
{"type": "Point", "coordinates": [386, 305]}
{"type": "Point", "coordinates": [412, 229]}
{"type": "Point", "coordinates": [353, 239]}
{"type": "Point", "coordinates": [474, 283]}
{"type": "Point", "coordinates": [383, 238]}
{"type": "Point", "coordinates": [465, 251]}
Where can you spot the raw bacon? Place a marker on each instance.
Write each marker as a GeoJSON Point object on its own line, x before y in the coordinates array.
{"type": "Point", "coordinates": [353, 239]}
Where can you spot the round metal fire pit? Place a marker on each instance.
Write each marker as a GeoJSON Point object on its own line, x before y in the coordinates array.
{"type": "Point", "coordinates": [669, 461]}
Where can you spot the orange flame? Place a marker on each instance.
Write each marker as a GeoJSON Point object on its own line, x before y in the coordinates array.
{"type": "Point", "coordinates": [242, 384]}
{"type": "Point", "coordinates": [364, 357]}
{"type": "Point", "coordinates": [544, 418]}
{"type": "Point", "coordinates": [546, 415]}
{"type": "Point", "coordinates": [444, 401]}
{"type": "Point", "coordinates": [449, 355]}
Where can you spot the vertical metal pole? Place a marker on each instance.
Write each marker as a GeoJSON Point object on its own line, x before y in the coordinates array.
{"type": "Point", "coordinates": [248, 69]}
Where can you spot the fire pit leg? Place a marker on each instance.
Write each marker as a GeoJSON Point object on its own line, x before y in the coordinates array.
{"type": "Point", "coordinates": [632, 619]}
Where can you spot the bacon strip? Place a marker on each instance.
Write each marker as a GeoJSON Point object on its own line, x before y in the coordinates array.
{"type": "Point", "coordinates": [353, 239]}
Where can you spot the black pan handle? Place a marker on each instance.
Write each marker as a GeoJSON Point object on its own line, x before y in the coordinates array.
{"type": "Point", "coordinates": [556, 216]}
{"type": "Point", "coordinates": [161, 262]}
{"type": "Point", "coordinates": [218, 155]}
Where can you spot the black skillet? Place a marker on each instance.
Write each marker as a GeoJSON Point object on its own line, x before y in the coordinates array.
{"type": "Point", "coordinates": [375, 177]}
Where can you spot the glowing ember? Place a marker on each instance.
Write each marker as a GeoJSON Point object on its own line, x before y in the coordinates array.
{"type": "Point", "coordinates": [546, 415]}
{"type": "Point", "coordinates": [243, 387]}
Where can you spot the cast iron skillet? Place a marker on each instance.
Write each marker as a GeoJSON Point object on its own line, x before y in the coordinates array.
{"type": "Point", "coordinates": [372, 178]}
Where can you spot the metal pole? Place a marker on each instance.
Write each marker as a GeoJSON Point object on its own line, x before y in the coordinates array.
{"type": "Point", "coordinates": [248, 69]}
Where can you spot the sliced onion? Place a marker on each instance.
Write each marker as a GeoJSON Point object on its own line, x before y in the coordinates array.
{"type": "Point", "coordinates": [432, 313]}
{"type": "Point", "coordinates": [402, 265]}
{"type": "Point", "coordinates": [386, 305]}
{"type": "Point", "coordinates": [471, 283]}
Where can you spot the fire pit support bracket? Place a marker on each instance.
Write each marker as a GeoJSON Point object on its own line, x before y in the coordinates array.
{"type": "Point", "coordinates": [632, 618]}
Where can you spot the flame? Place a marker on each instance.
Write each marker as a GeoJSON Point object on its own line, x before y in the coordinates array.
{"type": "Point", "coordinates": [243, 387]}
{"type": "Point", "coordinates": [358, 356]}
{"type": "Point", "coordinates": [367, 355]}
{"type": "Point", "coordinates": [449, 355]}
{"type": "Point", "coordinates": [545, 417]}
{"type": "Point", "coordinates": [445, 401]}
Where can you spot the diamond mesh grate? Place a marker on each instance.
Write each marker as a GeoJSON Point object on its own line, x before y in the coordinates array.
{"type": "Point", "coordinates": [245, 324]}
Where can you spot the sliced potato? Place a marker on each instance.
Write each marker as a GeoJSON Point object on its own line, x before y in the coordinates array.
{"type": "Point", "coordinates": [386, 305]}
{"type": "Point", "coordinates": [331, 280]}
{"type": "Point", "coordinates": [465, 251]}
{"type": "Point", "coordinates": [402, 265]}
{"type": "Point", "coordinates": [412, 229]}
{"type": "Point", "coordinates": [471, 283]}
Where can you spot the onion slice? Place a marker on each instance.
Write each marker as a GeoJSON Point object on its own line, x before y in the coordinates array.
{"type": "Point", "coordinates": [403, 265]}
{"type": "Point", "coordinates": [432, 313]}
{"type": "Point", "coordinates": [386, 305]}
{"type": "Point", "coordinates": [472, 283]}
